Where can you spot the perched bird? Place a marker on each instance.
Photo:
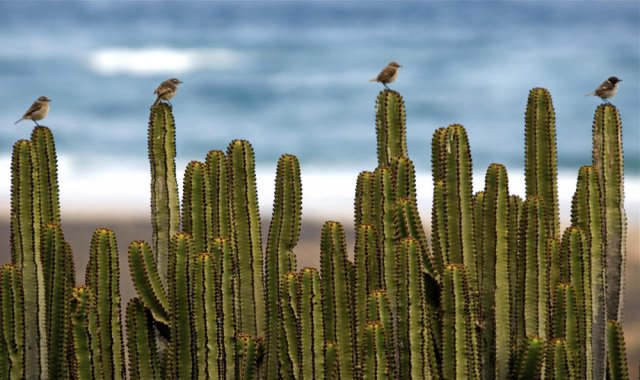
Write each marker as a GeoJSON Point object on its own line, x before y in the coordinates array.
{"type": "Point", "coordinates": [38, 110]}
{"type": "Point", "coordinates": [607, 90]}
{"type": "Point", "coordinates": [388, 74]}
{"type": "Point", "coordinates": [166, 90]}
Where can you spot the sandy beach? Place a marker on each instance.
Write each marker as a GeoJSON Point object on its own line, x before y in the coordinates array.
{"type": "Point", "coordinates": [79, 233]}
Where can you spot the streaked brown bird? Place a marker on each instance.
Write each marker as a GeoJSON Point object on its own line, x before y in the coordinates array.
{"type": "Point", "coordinates": [38, 110]}
{"type": "Point", "coordinates": [388, 74]}
{"type": "Point", "coordinates": [607, 90]}
{"type": "Point", "coordinates": [166, 90]}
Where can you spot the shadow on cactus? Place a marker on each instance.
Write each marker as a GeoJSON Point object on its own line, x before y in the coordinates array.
{"type": "Point", "coordinates": [497, 292]}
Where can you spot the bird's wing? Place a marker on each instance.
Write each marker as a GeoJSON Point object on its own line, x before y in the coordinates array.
{"type": "Point", "coordinates": [604, 87]}
{"type": "Point", "coordinates": [386, 74]}
{"type": "Point", "coordinates": [34, 107]}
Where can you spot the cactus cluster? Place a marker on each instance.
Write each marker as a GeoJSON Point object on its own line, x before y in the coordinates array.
{"type": "Point", "coordinates": [497, 293]}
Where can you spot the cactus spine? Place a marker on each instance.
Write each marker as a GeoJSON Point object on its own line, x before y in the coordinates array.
{"type": "Point", "coordinates": [608, 162]}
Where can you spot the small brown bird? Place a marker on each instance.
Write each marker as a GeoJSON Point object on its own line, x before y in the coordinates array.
{"type": "Point", "coordinates": [166, 90]}
{"type": "Point", "coordinates": [38, 110]}
{"type": "Point", "coordinates": [607, 90]}
{"type": "Point", "coordinates": [388, 74]}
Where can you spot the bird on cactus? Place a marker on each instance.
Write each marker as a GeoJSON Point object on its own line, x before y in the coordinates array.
{"type": "Point", "coordinates": [388, 74]}
{"type": "Point", "coordinates": [607, 90]}
{"type": "Point", "coordinates": [38, 110]}
{"type": "Point", "coordinates": [166, 90]}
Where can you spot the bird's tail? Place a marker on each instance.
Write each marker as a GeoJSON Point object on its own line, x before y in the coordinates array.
{"type": "Point", "coordinates": [590, 94]}
{"type": "Point", "coordinates": [373, 79]}
{"type": "Point", "coordinates": [156, 102]}
{"type": "Point", "coordinates": [19, 120]}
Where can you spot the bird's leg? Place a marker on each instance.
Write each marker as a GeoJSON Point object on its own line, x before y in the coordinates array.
{"type": "Point", "coordinates": [606, 101]}
{"type": "Point", "coordinates": [36, 123]}
{"type": "Point", "coordinates": [385, 86]}
{"type": "Point", "coordinates": [170, 104]}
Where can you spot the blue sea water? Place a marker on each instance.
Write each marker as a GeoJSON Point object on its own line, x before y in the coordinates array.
{"type": "Point", "coordinates": [292, 77]}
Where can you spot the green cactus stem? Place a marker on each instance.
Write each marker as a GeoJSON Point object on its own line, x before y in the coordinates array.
{"type": "Point", "coordinates": [565, 319]}
{"type": "Point", "coordinates": [576, 252]}
{"type": "Point", "coordinates": [165, 209]}
{"type": "Point", "coordinates": [608, 162]}
{"type": "Point", "coordinates": [379, 309]}
{"type": "Point", "coordinates": [559, 365]}
{"type": "Point", "coordinates": [391, 129]}
{"type": "Point", "coordinates": [617, 357]}
{"type": "Point", "coordinates": [103, 278]}
{"type": "Point", "coordinates": [283, 237]}
{"type": "Point", "coordinates": [218, 192]}
{"type": "Point", "coordinates": [364, 207]}
{"type": "Point", "coordinates": [246, 348]}
{"type": "Point", "coordinates": [84, 329]}
{"type": "Point", "coordinates": [532, 269]}
{"type": "Point", "coordinates": [375, 357]}
{"type": "Point", "coordinates": [530, 360]}
{"type": "Point", "coordinates": [368, 274]}
{"type": "Point", "coordinates": [459, 341]}
{"type": "Point", "coordinates": [196, 211]}
{"type": "Point", "coordinates": [58, 263]}
{"type": "Point", "coordinates": [12, 319]}
{"type": "Point", "coordinates": [204, 297]}
{"type": "Point", "coordinates": [384, 199]}
{"type": "Point", "coordinates": [311, 326]}
{"type": "Point", "coordinates": [494, 275]}
{"type": "Point", "coordinates": [44, 150]}
{"type": "Point", "coordinates": [290, 342]}
{"type": "Point", "coordinates": [26, 253]}
{"type": "Point", "coordinates": [222, 250]}
{"type": "Point", "coordinates": [147, 282]}
{"type": "Point", "coordinates": [141, 342]}
{"type": "Point", "coordinates": [336, 290]}
{"type": "Point", "coordinates": [515, 207]}
{"type": "Point", "coordinates": [452, 165]}
{"type": "Point", "coordinates": [246, 237]}
{"type": "Point", "coordinates": [586, 214]}
{"type": "Point", "coordinates": [540, 166]}
{"type": "Point", "coordinates": [182, 250]}
{"type": "Point", "coordinates": [439, 226]}
{"type": "Point", "coordinates": [408, 224]}
{"type": "Point", "coordinates": [404, 174]}
{"type": "Point", "coordinates": [331, 367]}
{"type": "Point", "coordinates": [478, 224]}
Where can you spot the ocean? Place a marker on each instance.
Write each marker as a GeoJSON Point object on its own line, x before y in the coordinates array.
{"type": "Point", "coordinates": [293, 77]}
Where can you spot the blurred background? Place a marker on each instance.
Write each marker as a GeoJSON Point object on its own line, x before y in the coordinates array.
{"type": "Point", "coordinates": [293, 77]}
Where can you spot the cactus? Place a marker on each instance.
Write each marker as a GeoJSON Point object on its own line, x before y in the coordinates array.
{"type": "Point", "coordinates": [283, 236]}
{"type": "Point", "coordinates": [364, 209]}
{"type": "Point", "coordinates": [459, 341]}
{"type": "Point", "coordinates": [540, 166]}
{"type": "Point", "coordinates": [218, 192]}
{"type": "Point", "coordinates": [559, 364]}
{"type": "Point", "coordinates": [617, 362]}
{"type": "Point", "coordinates": [530, 360]}
{"type": "Point", "coordinates": [246, 237]}
{"type": "Point", "coordinates": [289, 347]}
{"type": "Point", "coordinates": [608, 162]}
{"type": "Point", "coordinates": [196, 211]}
{"type": "Point", "coordinates": [59, 283]}
{"type": "Point", "coordinates": [147, 282]}
{"type": "Point", "coordinates": [336, 288]}
{"type": "Point", "coordinates": [223, 252]}
{"type": "Point", "coordinates": [586, 214]}
{"type": "Point", "coordinates": [12, 319]}
{"type": "Point", "coordinates": [565, 320]}
{"type": "Point", "coordinates": [246, 348]}
{"type": "Point", "coordinates": [311, 326]}
{"type": "Point", "coordinates": [85, 334]}
{"type": "Point", "coordinates": [368, 274]}
{"type": "Point", "coordinates": [390, 126]}
{"type": "Point", "coordinates": [494, 274]}
{"type": "Point", "coordinates": [375, 357]}
{"type": "Point", "coordinates": [451, 165]}
{"type": "Point", "coordinates": [204, 296]}
{"type": "Point", "coordinates": [182, 249]}
{"type": "Point", "coordinates": [103, 279]}
{"type": "Point", "coordinates": [141, 343]}
{"type": "Point", "coordinates": [165, 212]}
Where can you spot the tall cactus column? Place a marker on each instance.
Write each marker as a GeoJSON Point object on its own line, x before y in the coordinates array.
{"type": "Point", "coordinates": [165, 210]}
{"type": "Point", "coordinates": [609, 164]}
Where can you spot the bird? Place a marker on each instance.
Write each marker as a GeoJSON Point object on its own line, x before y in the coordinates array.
{"type": "Point", "coordinates": [166, 90]}
{"type": "Point", "coordinates": [388, 74]}
{"type": "Point", "coordinates": [607, 90]}
{"type": "Point", "coordinates": [38, 110]}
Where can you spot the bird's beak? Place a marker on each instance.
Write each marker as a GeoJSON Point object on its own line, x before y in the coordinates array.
{"type": "Point", "coordinates": [180, 82]}
{"type": "Point", "coordinates": [399, 65]}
